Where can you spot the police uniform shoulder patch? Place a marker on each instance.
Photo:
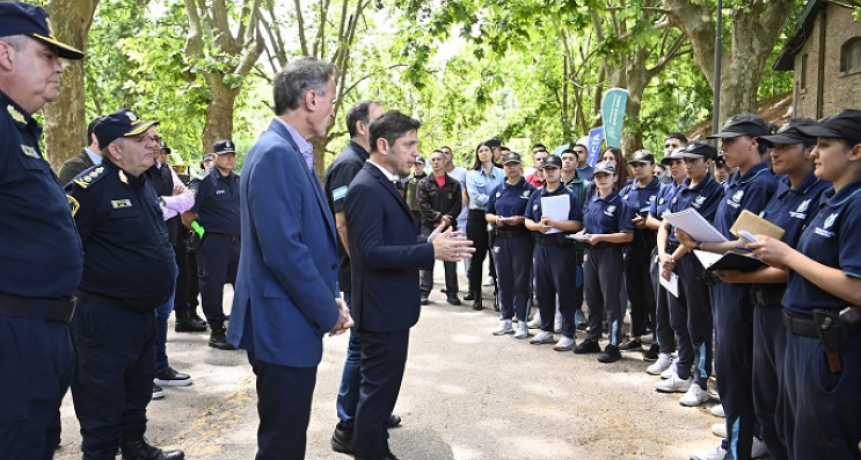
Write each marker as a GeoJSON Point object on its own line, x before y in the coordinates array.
{"type": "Point", "coordinates": [340, 193]}
{"type": "Point", "coordinates": [15, 114]}
{"type": "Point", "coordinates": [89, 177]}
{"type": "Point", "coordinates": [30, 151]}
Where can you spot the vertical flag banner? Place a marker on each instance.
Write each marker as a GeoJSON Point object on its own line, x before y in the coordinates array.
{"type": "Point", "coordinates": [596, 138]}
{"type": "Point", "coordinates": [613, 113]}
{"type": "Point", "coordinates": [560, 149]}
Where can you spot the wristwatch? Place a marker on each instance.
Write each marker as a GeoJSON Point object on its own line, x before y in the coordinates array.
{"type": "Point", "coordinates": [699, 245]}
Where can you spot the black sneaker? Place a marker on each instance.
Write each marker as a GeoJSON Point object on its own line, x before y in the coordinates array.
{"type": "Point", "coordinates": [172, 378]}
{"type": "Point", "coordinates": [631, 345]}
{"type": "Point", "coordinates": [652, 354]}
{"type": "Point", "coordinates": [587, 346]}
{"type": "Point", "coordinates": [425, 301]}
{"type": "Point", "coordinates": [611, 354]}
{"type": "Point", "coordinates": [157, 392]}
{"type": "Point", "coordinates": [453, 301]}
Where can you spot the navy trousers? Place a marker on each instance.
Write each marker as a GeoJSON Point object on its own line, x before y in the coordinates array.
{"type": "Point", "coordinates": [513, 258]}
{"type": "Point", "coordinates": [663, 331]}
{"type": "Point", "coordinates": [638, 258]}
{"type": "Point", "coordinates": [37, 362]}
{"type": "Point", "coordinates": [115, 369]}
{"type": "Point", "coordinates": [691, 319]}
{"type": "Point", "coordinates": [554, 276]}
{"type": "Point", "coordinates": [603, 270]}
{"type": "Point", "coordinates": [769, 345]}
{"type": "Point", "coordinates": [218, 261]}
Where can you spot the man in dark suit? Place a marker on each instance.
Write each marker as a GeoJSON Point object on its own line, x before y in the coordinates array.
{"type": "Point", "coordinates": [90, 156]}
{"type": "Point", "coordinates": [385, 260]}
{"type": "Point", "coordinates": [286, 296]}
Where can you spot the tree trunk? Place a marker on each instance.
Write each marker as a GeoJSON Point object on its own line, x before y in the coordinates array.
{"type": "Point", "coordinates": [218, 124]}
{"type": "Point", "coordinates": [320, 157]}
{"type": "Point", "coordinates": [66, 119]}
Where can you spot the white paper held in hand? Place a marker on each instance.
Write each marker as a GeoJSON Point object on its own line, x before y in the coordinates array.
{"type": "Point", "coordinates": [671, 285]}
{"type": "Point", "coordinates": [694, 224]}
{"type": "Point", "coordinates": [556, 208]}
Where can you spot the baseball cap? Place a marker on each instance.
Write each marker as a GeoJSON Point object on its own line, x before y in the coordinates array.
{"type": "Point", "coordinates": [789, 133]}
{"type": "Point", "coordinates": [845, 125]}
{"type": "Point", "coordinates": [746, 124]}
{"type": "Point", "coordinates": [420, 159]}
{"type": "Point", "coordinates": [674, 155]}
{"type": "Point", "coordinates": [208, 157]}
{"type": "Point", "coordinates": [603, 167]}
{"type": "Point", "coordinates": [122, 123]}
{"type": "Point", "coordinates": [511, 157]}
{"type": "Point", "coordinates": [695, 150]}
{"type": "Point", "coordinates": [18, 18]}
{"type": "Point", "coordinates": [223, 146]}
{"type": "Point", "coordinates": [643, 156]}
{"type": "Point", "coordinates": [552, 161]}
{"type": "Point", "coordinates": [164, 146]}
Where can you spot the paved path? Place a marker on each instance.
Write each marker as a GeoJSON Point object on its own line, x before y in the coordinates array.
{"type": "Point", "coordinates": [467, 395]}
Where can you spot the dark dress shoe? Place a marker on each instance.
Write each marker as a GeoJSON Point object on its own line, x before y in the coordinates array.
{"type": "Point", "coordinates": [140, 449]}
{"type": "Point", "coordinates": [631, 345]}
{"type": "Point", "coordinates": [186, 323]}
{"type": "Point", "coordinates": [611, 354]}
{"type": "Point", "coordinates": [477, 303]}
{"type": "Point", "coordinates": [218, 339]}
{"type": "Point", "coordinates": [453, 301]}
{"type": "Point", "coordinates": [394, 420]}
{"type": "Point", "coordinates": [342, 440]}
{"type": "Point", "coordinates": [425, 301]}
{"type": "Point", "coordinates": [587, 346]}
{"type": "Point", "coordinates": [469, 296]}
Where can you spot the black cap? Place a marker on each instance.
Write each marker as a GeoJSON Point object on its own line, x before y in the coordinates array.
{"type": "Point", "coordinates": [224, 146]}
{"type": "Point", "coordinates": [122, 123]}
{"type": "Point", "coordinates": [493, 143]}
{"type": "Point", "coordinates": [845, 125]}
{"type": "Point", "coordinates": [674, 155]}
{"type": "Point", "coordinates": [720, 162]}
{"type": "Point", "coordinates": [789, 133]}
{"type": "Point", "coordinates": [643, 156]}
{"type": "Point", "coordinates": [18, 18]}
{"type": "Point", "coordinates": [746, 124]}
{"type": "Point", "coordinates": [164, 146]}
{"type": "Point", "coordinates": [511, 157]}
{"type": "Point", "coordinates": [697, 149]}
{"type": "Point", "coordinates": [420, 159]}
{"type": "Point", "coordinates": [552, 161]}
{"type": "Point", "coordinates": [603, 167]}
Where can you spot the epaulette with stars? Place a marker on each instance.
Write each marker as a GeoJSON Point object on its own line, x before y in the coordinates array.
{"type": "Point", "coordinates": [89, 177]}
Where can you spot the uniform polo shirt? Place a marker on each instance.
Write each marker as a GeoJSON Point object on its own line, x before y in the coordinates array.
{"type": "Point", "coordinates": [792, 208]}
{"type": "Point", "coordinates": [510, 200]}
{"type": "Point", "coordinates": [216, 203]}
{"type": "Point", "coordinates": [638, 200]}
{"type": "Point", "coordinates": [608, 215]}
{"type": "Point", "coordinates": [750, 191]}
{"type": "Point", "coordinates": [705, 197]}
{"type": "Point", "coordinates": [534, 211]}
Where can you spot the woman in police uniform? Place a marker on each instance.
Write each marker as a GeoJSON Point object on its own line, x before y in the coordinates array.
{"type": "Point", "coordinates": [819, 398]}
{"type": "Point", "coordinates": [512, 247]}
{"type": "Point", "coordinates": [608, 227]}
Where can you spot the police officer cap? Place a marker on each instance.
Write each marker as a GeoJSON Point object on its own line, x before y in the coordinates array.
{"type": "Point", "coordinates": [604, 167]}
{"type": "Point", "coordinates": [511, 157]}
{"type": "Point", "coordinates": [224, 146]}
{"type": "Point", "coordinates": [789, 134]}
{"type": "Point", "coordinates": [674, 155]}
{"type": "Point", "coordinates": [845, 125]}
{"type": "Point", "coordinates": [122, 123]}
{"type": "Point", "coordinates": [420, 159]}
{"type": "Point", "coordinates": [18, 18]}
{"type": "Point", "coordinates": [164, 147]}
{"type": "Point", "coordinates": [208, 157]}
{"type": "Point", "coordinates": [746, 124]}
{"type": "Point", "coordinates": [643, 156]}
{"type": "Point", "coordinates": [552, 161]}
{"type": "Point", "coordinates": [698, 149]}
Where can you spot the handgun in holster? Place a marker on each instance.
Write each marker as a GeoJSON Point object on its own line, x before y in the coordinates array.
{"type": "Point", "coordinates": [833, 333]}
{"type": "Point", "coordinates": [710, 278]}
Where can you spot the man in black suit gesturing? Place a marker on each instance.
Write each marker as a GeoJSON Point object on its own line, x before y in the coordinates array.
{"type": "Point", "coordinates": [385, 261]}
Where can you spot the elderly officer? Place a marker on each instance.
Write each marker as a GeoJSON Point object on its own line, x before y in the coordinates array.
{"type": "Point", "coordinates": [36, 355]}
{"type": "Point", "coordinates": [215, 218]}
{"type": "Point", "coordinates": [128, 272]}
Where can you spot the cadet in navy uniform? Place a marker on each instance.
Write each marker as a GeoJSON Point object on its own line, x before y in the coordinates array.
{"type": "Point", "coordinates": [819, 399]}
{"type": "Point", "coordinates": [128, 272]}
{"type": "Point", "coordinates": [215, 218]}
{"type": "Point", "coordinates": [638, 197]}
{"type": "Point", "coordinates": [798, 192]}
{"type": "Point", "coordinates": [41, 256]}
{"type": "Point", "coordinates": [554, 257]}
{"type": "Point", "coordinates": [691, 311]}
{"type": "Point", "coordinates": [608, 225]}
{"type": "Point", "coordinates": [512, 245]}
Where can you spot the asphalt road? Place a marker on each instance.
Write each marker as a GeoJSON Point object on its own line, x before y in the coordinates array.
{"type": "Point", "coordinates": [467, 395]}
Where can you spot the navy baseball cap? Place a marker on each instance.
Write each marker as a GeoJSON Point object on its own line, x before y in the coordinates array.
{"type": "Point", "coordinates": [603, 167]}
{"type": "Point", "coordinates": [122, 123]}
{"type": "Point", "coordinates": [511, 157]}
{"type": "Point", "coordinates": [789, 134]}
{"type": "Point", "coordinates": [208, 157]}
{"type": "Point", "coordinates": [674, 155]}
{"type": "Point", "coordinates": [643, 156]}
{"type": "Point", "coordinates": [224, 146]}
{"type": "Point", "coordinates": [746, 124]}
{"type": "Point", "coordinates": [845, 125]}
{"type": "Point", "coordinates": [164, 146]}
{"type": "Point", "coordinates": [552, 161]}
{"type": "Point", "coordinates": [697, 149]}
{"type": "Point", "coordinates": [18, 18]}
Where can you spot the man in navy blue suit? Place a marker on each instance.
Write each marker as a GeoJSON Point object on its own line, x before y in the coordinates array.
{"type": "Point", "coordinates": [286, 296]}
{"type": "Point", "coordinates": [385, 261]}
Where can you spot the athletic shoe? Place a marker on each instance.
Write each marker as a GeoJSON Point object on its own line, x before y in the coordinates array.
{"type": "Point", "coordinates": [670, 371]}
{"type": "Point", "coordinates": [504, 328]}
{"type": "Point", "coordinates": [631, 345]}
{"type": "Point", "coordinates": [564, 344]}
{"type": "Point", "coordinates": [648, 338]}
{"type": "Point", "coordinates": [172, 378]}
{"type": "Point", "coordinates": [717, 411]}
{"type": "Point", "coordinates": [542, 338]}
{"type": "Point", "coordinates": [663, 363]}
{"type": "Point", "coordinates": [557, 323]}
{"type": "Point", "coordinates": [611, 354]}
{"type": "Point", "coordinates": [157, 392]}
{"type": "Point", "coordinates": [715, 453]}
{"type": "Point", "coordinates": [674, 385]}
{"type": "Point", "coordinates": [719, 430]}
{"type": "Point", "coordinates": [587, 346]}
{"type": "Point", "coordinates": [522, 331]}
{"type": "Point", "coordinates": [694, 397]}
{"type": "Point", "coordinates": [651, 355]}
{"type": "Point", "coordinates": [535, 323]}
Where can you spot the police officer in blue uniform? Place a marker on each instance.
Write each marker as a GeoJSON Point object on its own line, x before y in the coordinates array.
{"type": "Point", "coordinates": [608, 226]}
{"type": "Point", "coordinates": [512, 247]}
{"type": "Point", "coordinates": [638, 197]}
{"type": "Point", "coordinates": [215, 218]}
{"type": "Point", "coordinates": [129, 270]}
{"type": "Point", "coordinates": [36, 354]}
{"type": "Point", "coordinates": [554, 257]}
{"type": "Point", "coordinates": [819, 399]}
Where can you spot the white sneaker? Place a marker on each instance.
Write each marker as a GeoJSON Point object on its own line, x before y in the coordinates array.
{"type": "Point", "coordinates": [542, 338]}
{"type": "Point", "coordinates": [715, 453]}
{"type": "Point", "coordinates": [648, 338]}
{"type": "Point", "coordinates": [694, 397]}
{"type": "Point", "coordinates": [564, 344]}
{"type": "Point", "coordinates": [719, 430]}
{"type": "Point", "coordinates": [759, 449]}
{"type": "Point", "coordinates": [674, 385]}
{"type": "Point", "coordinates": [670, 371]}
{"type": "Point", "coordinates": [658, 367]}
{"type": "Point", "coordinates": [522, 330]}
{"type": "Point", "coordinates": [557, 324]}
{"type": "Point", "coordinates": [504, 328]}
{"type": "Point", "coordinates": [489, 281]}
{"type": "Point", "coordinates": [717, 411]}
{"type": "Point", "coordinates": [535, 323]}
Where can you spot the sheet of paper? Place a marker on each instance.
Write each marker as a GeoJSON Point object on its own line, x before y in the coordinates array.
{"type": "Point", "coordinates": [556, 208]}
{"type": "Point", "coordinates": [707, 258]}
{"type": "Point", "coordinates": [671, 285]}
{"type": "Point", "coordinates": [691, 222]}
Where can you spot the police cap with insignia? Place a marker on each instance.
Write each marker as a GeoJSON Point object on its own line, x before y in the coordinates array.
{"type": "Point", "coordinates": [845, 125]}
{"type": "Point", "coordinates": [552, 161]}
{"type": "Point", "coordinates": [643, 156]}
{"type": "Point", "coordinates": [604, 167]}
{"type": "Point", "coordinates": [789, 134]}
{"type": "Point", "coordinates": [18, 18]}
{"type": "Point", "coordinates": [673, 156]}
{"type": "Point", "coordinates": [511, 157]}
{"type": "Point", "coordinates": [224, 146]}
{"type": "Point", "coordinates": [746, 124]}
{"type": "Point", "coordinates": [120, 124]}
{"type": "Point", "coordinates": [698, 149]}
{"type": "Point", "coordinates": [208, 157]}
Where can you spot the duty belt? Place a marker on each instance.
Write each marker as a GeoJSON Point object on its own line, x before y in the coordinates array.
{"type": "Point", "coordinates": [765, 295]}
{"type": "Point", "coordinates": [557, 239]}
{"type": "Point", "coordinates": [58, 310]}
{"type": "Point", "coordinates": [831, 327]}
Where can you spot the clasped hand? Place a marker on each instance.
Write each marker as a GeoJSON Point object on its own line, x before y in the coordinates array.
{"type": "Point", "coordinates": [345, 321]}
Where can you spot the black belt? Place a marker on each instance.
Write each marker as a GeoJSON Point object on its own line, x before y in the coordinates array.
{"type": "Point", "coordinates": [802, 327]}
{"type": "Point", "coordinates": [58, 310]}
{"type": "Point", "coordinates": [768, 295]}
{"type": "Point", "coordinates": [510, 234]}
{"type": "Point", "coordinates": [557, 239]}
{"type": "Point", "coordinates": [225, 236]}
{"type": "Point", "coordinates": [603, 245]}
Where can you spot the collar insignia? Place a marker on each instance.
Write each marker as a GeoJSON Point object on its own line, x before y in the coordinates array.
{"type": "Point", "coordinates": [15, 114]}
{"type": "Point", "coordinates": [123, 178]}
{"type": "Point", "coordinates": [30, 151]}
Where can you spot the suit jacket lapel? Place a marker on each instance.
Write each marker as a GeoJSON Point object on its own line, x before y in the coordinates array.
{"type": "Point", "coordinates": [390, 186]}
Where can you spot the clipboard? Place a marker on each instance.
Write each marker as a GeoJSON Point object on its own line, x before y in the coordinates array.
{"type": "Point", "coordinates": [735, 261]}
{"type": "Point", "coordinates": [757, 225]}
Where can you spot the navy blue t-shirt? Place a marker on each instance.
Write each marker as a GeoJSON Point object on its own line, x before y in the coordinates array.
{"type": "Point", "coordinates": [608, 215]}
{"type": "Point", "coordinates": [751, 192]}
{"type": "Point", "coordinates": [639, 200]}
{"type": "Point", "coordinates": [510, 200]}
{"type": "Point", "coordinates": [534, 212]}
{"type": "Point", "coordinates": [704, 197]}
{"type": "Point", "coordinates": [216, 203]}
